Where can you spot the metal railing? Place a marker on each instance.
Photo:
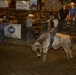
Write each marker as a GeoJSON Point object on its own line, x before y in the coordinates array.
{"type": "Point", "coordinates": [68, 28]}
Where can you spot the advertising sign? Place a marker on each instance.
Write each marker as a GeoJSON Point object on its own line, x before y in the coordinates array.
{"type": "Point", "coordinates": [4, 3]}
{"type": "Point", "coordinates": [13, 31]}
{"type": "Point", "coordinates": [22, 5]}
{"type": "Point", "coordinates": [33, 4]}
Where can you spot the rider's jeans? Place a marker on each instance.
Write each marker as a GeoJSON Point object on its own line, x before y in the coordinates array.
{"type": "Point", "coordinates": [52, 36]}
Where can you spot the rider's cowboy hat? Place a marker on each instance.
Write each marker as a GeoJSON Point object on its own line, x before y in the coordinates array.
{"type": "Point", "coordinates": [72, 3]}
{"type": "Point", "coordinates": [52, 14]}
{"type": "Point", "coordinates": [30, 15]}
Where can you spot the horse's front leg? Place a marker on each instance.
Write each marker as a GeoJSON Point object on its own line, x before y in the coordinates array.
{"type": "Point", "coordinates": [44, 54]}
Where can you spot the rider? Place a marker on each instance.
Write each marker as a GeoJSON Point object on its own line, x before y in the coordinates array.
{"type": "Point", "coordinates": [54, 27]}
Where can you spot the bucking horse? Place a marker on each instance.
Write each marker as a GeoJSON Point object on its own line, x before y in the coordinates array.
{"type": "Point", "coordinates": [60, 40]}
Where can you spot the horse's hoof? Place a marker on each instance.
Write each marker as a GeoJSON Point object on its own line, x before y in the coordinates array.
{"type": "Point", "coordinates": [71, 57]}
{"type": "Point", "coordinates": [39, 56]}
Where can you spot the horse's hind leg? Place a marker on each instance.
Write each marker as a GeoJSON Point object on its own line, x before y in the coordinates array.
{"type": "Point", "coordinates": [68, 52]}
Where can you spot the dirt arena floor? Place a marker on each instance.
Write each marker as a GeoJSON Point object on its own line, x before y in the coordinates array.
{"type": "Point", "coordinates": [17, 58]}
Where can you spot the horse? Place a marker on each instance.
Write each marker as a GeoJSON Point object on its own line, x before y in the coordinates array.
{"type": "Point", "coordinates": [60, 40]}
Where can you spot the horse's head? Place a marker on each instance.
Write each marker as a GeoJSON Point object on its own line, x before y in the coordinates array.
{"type": "Point", "coordinates": [37, 48]}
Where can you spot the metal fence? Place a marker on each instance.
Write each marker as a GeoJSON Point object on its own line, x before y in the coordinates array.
{"type": "Point", "coordinates": [68, 28]}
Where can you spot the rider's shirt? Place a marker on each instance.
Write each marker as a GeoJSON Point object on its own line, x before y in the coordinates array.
{"type": "Point", "coordinates": [53, 23]}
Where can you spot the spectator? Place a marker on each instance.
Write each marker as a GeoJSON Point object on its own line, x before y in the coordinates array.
{"type": "Point", "coordinates": [29, 23]}
{"type": "Point", "coordinates": [5, 20]}
{"type": "Point", "coordinates": [72, 12]}
{"type": "Point", "coordinates": [1, 30]}
{"type": "Point", "coordinates": [63, 15]}
{"type": "Point", "coordinates": [3, 23]}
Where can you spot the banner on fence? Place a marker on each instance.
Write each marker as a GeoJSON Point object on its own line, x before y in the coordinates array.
{"type": "Point", "coordinates": [4, 3]}
{"type": "Point", "coordinates": [22, 5]}
{"type": "Point", "coordinates": [13, 31]}
{"type": "Point", "coordinates": [33, 4]}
